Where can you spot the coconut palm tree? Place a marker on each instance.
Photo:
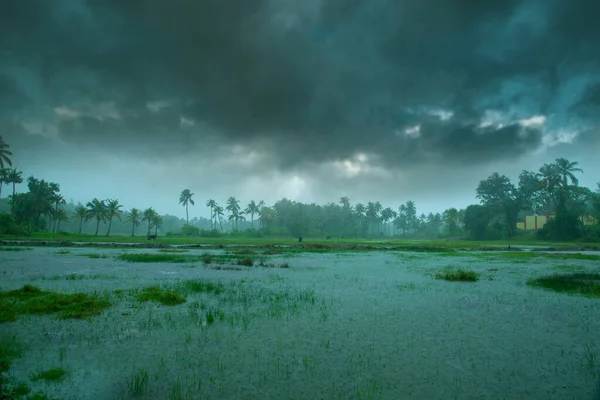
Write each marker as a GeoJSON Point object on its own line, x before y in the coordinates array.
{"type": "Point", "coordinates": [113, 209]}
{"type": "Point", "coordinates": [61, 216]}
{"type": "Point", "coordinates": [218, 213]}
{"type": "Point", "coordinates": [157, 222]}
{"type": "Point", "coordinates": [14, 177]}
{"type": "Point", "coordinates": [3, 178]}
{"type": "Point", "coordinates": [185, 198]}
{"type": "Point", "coordinates": [233, 206]}
{"type": "Point", "coordinates": [566, 169]}
{"type": "Point", "coordinates": [386, 215]}
{"type": "Point", "coordinates": [58, 201]}
{"type": "Point", "coordinates": [148, 215]}
{"type": "Point", "coordinates": [134, 218]}
{"type": "Point", "coordinates": [5, 154]}
{"type": "Point", "coordinates": [252, 209]}
{"type": "Point", "coordinates": [212, 204]}
{"type": "Point", "coordinates": [97, 210]}
{"type": "Point", "coordinates": [82, 213]}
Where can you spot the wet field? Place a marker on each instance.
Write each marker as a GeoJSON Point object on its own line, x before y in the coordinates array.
{"type": "Point", "coordinates": [307, 325]}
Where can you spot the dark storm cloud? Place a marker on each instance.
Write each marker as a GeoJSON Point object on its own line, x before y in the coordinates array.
{"type": "Point", "coordinates": [312, 81]}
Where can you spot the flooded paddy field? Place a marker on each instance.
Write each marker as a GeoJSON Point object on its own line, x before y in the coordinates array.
{"type": "Point", "coordinates": [265, 323]}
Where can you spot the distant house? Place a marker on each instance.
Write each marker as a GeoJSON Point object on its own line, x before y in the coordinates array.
{"type": "Point", "coordinates": [534, 222]}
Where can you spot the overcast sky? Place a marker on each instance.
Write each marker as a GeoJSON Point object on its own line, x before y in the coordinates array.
{"type": "Point", "coordinates": [377, 100]}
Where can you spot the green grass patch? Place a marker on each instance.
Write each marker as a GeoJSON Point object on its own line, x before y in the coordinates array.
{"type": "Point", "coordinates": [173, 250]}
{"type": "Point", "coordinates": [62, 252]}
{"type": "Point", "coordinates": [581, 283]}
{"type": "Point", "coordinates": [15, 248]}
{"type": "Point", "coordinates": [138, 383]}
{"type": "Point", "coordinates": [195, 286]}
{"type": "Point", "coordinates": [528, 255]}
{"type": "Point", "coordinates": [166, 297]}
{"type": "Point", "coordinates": [50, 375]}
{"type": "Point", "coordinates": [35, 301]}
{"type": "Point", "coordinates": [93, 255]}
{"type": "Point", "coordinates": [458, 275]}
{"type": "Point", "coordinates": [158, 258]}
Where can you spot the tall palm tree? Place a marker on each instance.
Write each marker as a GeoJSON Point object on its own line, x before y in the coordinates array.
{"type": "Point", "coordinates": [61, 216]}
{"type": "Point", "coordinates": [386, 215]}
{"type": "Point", "coordinates": [3, 178]}
{"type": "Point", "coordinates": [14, 177]}
{"type": "Point", "coordinates": [113, 209]}
{"type": "Point", "coordinates": [345, 202]}
{"type": "Point", "coordinates": [5, 154]}
{"type": "Point", "coordinates": [185, 198]}
{"type": "Point", "coordinates": [566, 169]}
{"type": "Point", "coordinates": [97, 210]}
{"type": "Point", "coordinates": [157, 222]}
{"type": "Point", "coordinates": [252, 209]}
{"type": "Point", "coordinates": [148, 215]}
{"type": "Point", "coordinates": [82, 213]}
{"type": "Point", "coordinates": [212, 204]}
{"type": "Point", "coordinates": [58, 201]}
{"type": "Point", "coordinates": [233, 206]}
{"type": "Point", "coordinates": [134, 218]}
{"type": "Point", "coordinates": [218, 213]}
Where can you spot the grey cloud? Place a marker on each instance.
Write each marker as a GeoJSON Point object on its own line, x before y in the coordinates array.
{"type": "Point", "coordinates": [314, 82]}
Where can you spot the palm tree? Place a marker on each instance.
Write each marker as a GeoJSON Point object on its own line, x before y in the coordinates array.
{"type": "Point", "coordinates": [134, 217]}
{"type": "Point", "coordinates": [113, 209]}
{"type": "Point", "coordinates": [81, 212]}
{"type": "Point", "coordinates": [58, 200]}
{"type": "Point", "coordinates": [386, 215]}
{"type": "Point", "coordinates": [3, 178]}
{"type": "Point", "coordinates": [148, 215]}
{"type": "Point", "coordinates": [97, 210]}
{"type": "Point", "coordinates": [185, 198]}
{"type": "Point", "coordinates": [218, 213]}
{"type": "Point", "coordinates": [157, 221]}
{"type": "Point", "coordinates": [212, 204]}
{"type": "Point", "coordinates": [566, 169]}
{"type": "Point", "coordinates": [5, 154]}
{"type": "Point", "coordinates": [233, 206]}
{"type": "Point", "coordinates": [252, 209]}
{"type": "Point", "coordinates": [61, 216]}
{"type": "Point", "coordinates": [14, 177]}
{"type": "Point", "coordinates": [345, 202]}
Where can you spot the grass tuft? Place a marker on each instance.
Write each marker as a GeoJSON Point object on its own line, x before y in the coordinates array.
{"type": "Point", "coordinates": [32, 300]}
{"type": "Point", "coordinates": [15, 248]}
{"type": "Point", "coordinates": [138, 383]}
{"type": "Point", "coordinates": [247, 261]}
{"type": "Point", "coordinates": [50, 375]}
{"type": "Point", "coordinates": [157, 258]}
{"type": "Point", "coordinates": [163, 296]}
{"type": "Point", "coordinates": [93, 255]}
{"type": "Point", "coordinates": [581, 283]}
{"type": "Point", "coordinates": [458, 275]}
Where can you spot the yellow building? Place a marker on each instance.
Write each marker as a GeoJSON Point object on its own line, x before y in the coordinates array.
{"type": "Point", "coordinates": [534, 222]}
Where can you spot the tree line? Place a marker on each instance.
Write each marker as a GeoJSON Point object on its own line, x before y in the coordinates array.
{"type": "Point", "coordinates": [553, 190]}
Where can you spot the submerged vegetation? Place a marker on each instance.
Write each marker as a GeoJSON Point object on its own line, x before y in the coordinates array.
{"type": "Point", "coordinates": [458, 275]}
{"type": "Point", "coordinates": [35, 301]}
{"type": "Point", "coordinates": [581, 283]}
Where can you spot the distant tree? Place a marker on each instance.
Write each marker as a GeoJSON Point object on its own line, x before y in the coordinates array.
{"type": "Point", "coordinates": [252, 209]}
{"type": "Point", "coordinates": [501, 197]}
{"type": "Point", "coordinates": [233, 206]}
{"type": "Point", "coordinates": [148, 215]}
{"type": "Point", "coordinates": [157, 222]}
{"type": "Point", "coordinates": [386, 215]}
{"type": "Point", "coordinates": [58, 200]}
{"type": "Point", "coordinates": [61, 216]}
{"type": "Point", "coordinates": [185, 198]}
{"type": "Point", "coordinates": [566, 169]}
{"type": "Point", "coordinates": [81, 213]}
{"type": "Point", "coordinates": [134, 217]}
{"type": "Point", "coordinates": [451, 219]}
{"type": "Point", "coordinates": [345, 202]}
{"type": "Point", "coordinates": [218, 214]}
{"type": "Point", "coordinates": [113, 209]}
{"type": "Point", "coordinates": [97, 210]}
{"type": "Point", "coordinates": [212, 204]}
{"type": "Point", "coordinates": [5, 154]}
{"type": "Point", "coordinates": [15, 177]}
{"type": "Point", "coordinates": [477, 221]}
{"type": "Point", "coordinates": [3, 178]}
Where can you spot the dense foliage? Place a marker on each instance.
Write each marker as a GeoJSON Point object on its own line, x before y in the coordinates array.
{"type": "Point", "coordinates": [552, 190]}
